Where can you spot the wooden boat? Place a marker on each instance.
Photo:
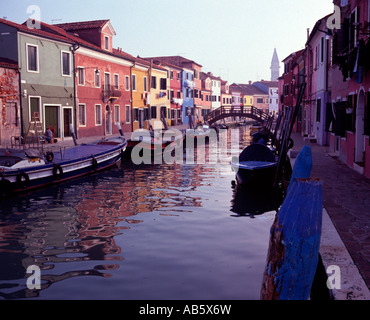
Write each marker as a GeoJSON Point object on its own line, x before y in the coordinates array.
{"type": "Point", "coordinates": [256, 166]}
{"type": "Point", "coordinates": [22, 170]}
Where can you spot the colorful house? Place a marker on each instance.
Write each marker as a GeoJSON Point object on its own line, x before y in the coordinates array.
{"type": "Point", "coordinates": [226, 96]}
{"type": "Point", "coordinates": [103, 79]}
{"type": "Point", "coordinates": [10, 119]}
{"type": "Point", "coordinates": [140, 94]}
{"type": "Point", "coordinates": [160, 104]}
{"type": "Point", "coordinates": [272, 89]}
{"type": "Point", "coordinates": [216, 90]}
{"type": "Point", "coordinates": [348, 116]}
{"type": "Point", "coordinates": [45, 61]}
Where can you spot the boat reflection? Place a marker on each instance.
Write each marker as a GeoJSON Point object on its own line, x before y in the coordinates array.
{"type": "Point", "coordinates": [250, 201]}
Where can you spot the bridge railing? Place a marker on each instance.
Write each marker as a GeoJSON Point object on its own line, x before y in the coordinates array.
{"type": "Point", "coordinates": [248, 111]}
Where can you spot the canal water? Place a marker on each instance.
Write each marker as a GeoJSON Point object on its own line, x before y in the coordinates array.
{"type": "Point", "coordinates": [156, 232]}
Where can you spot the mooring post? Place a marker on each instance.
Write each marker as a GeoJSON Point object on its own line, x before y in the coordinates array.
{"type": "Point", "coordinates": [294, 244]}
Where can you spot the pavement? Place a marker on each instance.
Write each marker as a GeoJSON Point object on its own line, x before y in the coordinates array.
{"type": "Point", "coordinates": [345, 240]}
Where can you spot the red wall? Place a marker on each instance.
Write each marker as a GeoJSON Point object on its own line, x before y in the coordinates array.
{"type": "Point", "coordinates": [90, 95]}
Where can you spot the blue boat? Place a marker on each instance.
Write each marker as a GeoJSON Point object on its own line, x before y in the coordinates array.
{"type": "Point", "coordinates": [22, 170]}
{"type": "Point", "coordinates": [255, 166]}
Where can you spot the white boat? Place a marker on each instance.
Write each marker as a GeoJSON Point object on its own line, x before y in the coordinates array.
{"type": "Point", "coordinates": [22, 170]}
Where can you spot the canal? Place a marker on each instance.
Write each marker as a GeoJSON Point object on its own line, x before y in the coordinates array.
{"type": "Point", "coordinates": [156, 232]}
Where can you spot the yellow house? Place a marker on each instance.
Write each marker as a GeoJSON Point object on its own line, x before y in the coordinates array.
{"type": "Point", "coordinates": [140, 94]}
{"type": "Point", "coordinates": [160, 104]}
{"type": "Point", "coordinates": [247, 101]}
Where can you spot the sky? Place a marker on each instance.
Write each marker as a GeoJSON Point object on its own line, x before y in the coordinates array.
{"type": "Point", "coordinates": [234, 39]}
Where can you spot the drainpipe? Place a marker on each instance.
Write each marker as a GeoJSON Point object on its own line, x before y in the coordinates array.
{"type": "Point", "coordinates": [20, 101]}
{"type": "Point", "coordinates": [74, 48]}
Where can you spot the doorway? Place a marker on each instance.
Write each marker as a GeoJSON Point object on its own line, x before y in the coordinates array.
{"type": "Point", "coordinates": [360, 129]}
{"type": "Point", "coordinates": [52, 119]}
{"type": "Point", "coordinates": [67, 121]}
{"type": "Point", "coordinates": [108, 120]}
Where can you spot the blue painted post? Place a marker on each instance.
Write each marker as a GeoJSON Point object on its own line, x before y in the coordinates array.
{"type": "Point", "coordinates": [294, 244]}
{"type": "Point", "coordinates": [302, 166]}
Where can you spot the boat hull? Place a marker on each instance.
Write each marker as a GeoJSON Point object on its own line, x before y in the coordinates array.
{"type": "Point", "coordinates": [255, 173]}
{"type": "Point", "coordinates": [24, 179]}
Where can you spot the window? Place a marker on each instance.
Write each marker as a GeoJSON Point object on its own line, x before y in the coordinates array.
{"type": "Point", "coordinates": [153, 112]}
{"type": "Point", "coordinates": [163, 84]}
{"type": "Point", "coordinates": [259, 100]}
{"type": "Point", "coordinates": [128, 114]}
{"type": "Point", "coordinates": [82, 114]}
{"type": "Point", "coordinates": [154, 82]}
{"type": "Point", "coordinates": [136, 114]}
{"type": "Point", "coordinates": [145, 84]}
{"type": "Point", "coordinates": [98, 115]}
{"type": "Point", "coordinates": [318, 110]}
{"type": "Point", "coordinates": [178, 94]}
{"type": "Point", "coordinates": [32, 58]}
{"type": "Point", "coordinates": [106, 43]}
{"type": "Point", "coordinates": [178, 76]}
{"type": "Point", "coordinates": [127, 83]}
{"type": "Point", "coordinates": [171, 75]}
{"type": "Point", "coordinates": [34, 105]}
{"type": "Point", "coordinates": [81, 76]}
{"type": "Point", "coordinates": [322, 49]}
{"type": "Point", "coordinates": [116, 82]}
{"type": "Point", "coordinates": [146, 114]}
{"type": "Point", "coordinates": [66, 64]}
{"type": "Point", "coordinates": [97, 79]}
{"type": "Point", "coordinates": [106, 81]}
{"type": "Point", "coordinates": [134, 82]}
{"type": "Point", "coordinates": [117, 116]}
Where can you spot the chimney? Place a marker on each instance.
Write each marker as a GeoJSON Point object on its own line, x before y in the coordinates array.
{"type": "Point", "coordinates": [250, 82]}
{"type": "Point", "coordinates": [308, 33]}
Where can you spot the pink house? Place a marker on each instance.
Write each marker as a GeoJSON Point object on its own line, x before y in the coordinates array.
{"type": "Point", "coordinates": [348, 116]}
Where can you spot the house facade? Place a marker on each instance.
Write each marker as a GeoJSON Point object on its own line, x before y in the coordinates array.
{"type": "Point", "coordinates": [102, 77]}
{"type": "Point", "coordinates": [272, 89]}
{"type": "Point", "coordinates": [348, 116]}
{"type": "Point", "coordinates": [45, 61]}
{"type": "Point", "coordinates": [140, 95]}
{"type": "Point", "coordinates": [10, 115]}
{"type": "Point", "coordinates": [159, 101]}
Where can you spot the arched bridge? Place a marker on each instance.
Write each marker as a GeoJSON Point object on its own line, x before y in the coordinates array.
{"type": "Point", "coordinates": [247, 112]}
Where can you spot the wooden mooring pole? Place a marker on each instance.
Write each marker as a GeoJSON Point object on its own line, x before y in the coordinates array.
{"type": "Point", "coordinates": [294, 244]}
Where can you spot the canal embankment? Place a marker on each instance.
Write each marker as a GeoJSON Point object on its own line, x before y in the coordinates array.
{"type": "Point", "coordinates": [345, 246]}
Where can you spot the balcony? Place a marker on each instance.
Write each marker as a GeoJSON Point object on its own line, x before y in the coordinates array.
{"type": "Point", "coordinates": [111, 93]}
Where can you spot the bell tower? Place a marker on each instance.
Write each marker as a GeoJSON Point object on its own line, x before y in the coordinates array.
{"type": "Point", "coordinates": [275, 67]}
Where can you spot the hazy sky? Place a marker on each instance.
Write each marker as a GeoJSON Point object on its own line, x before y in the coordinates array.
{"type": "Point", "coordinates": [234, 39]}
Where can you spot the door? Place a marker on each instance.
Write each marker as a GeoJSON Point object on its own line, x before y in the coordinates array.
{"type": "Point", "coordinates": [108, 120]}
{"type": "Point", "coordinates": [67, 121]}
{"type": "Point", "coordinates": [141, 118]}
{"type": "Point", "coordinates": [52, 119]}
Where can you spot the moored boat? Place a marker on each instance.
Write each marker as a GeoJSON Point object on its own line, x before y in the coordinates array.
{"type": "Point", "coordinates": [22, 170]}
{"type": "Point", "coordinates": [255, 166]}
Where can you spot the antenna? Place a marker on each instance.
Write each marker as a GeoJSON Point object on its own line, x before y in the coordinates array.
{"type": "Point", "coordinates": [53, 20]}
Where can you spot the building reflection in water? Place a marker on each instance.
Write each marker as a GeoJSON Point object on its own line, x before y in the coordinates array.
{"type": "Point", "coordinates": [78, 221]}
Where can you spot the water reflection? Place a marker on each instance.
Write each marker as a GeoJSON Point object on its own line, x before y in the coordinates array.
{"type": "Point", "coordinates": [74, 230]}
{"type": "Point", "coordinates": [248, 201]}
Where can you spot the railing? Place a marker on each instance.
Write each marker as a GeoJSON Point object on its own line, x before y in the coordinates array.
{"type": "Point", "coordinates": [226, 112]}
{"type": "Point", "coordinates": [111, 92]}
